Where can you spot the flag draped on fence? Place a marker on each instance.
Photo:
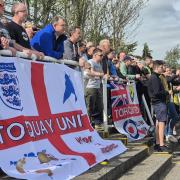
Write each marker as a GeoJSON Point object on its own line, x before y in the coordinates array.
{"type": "Point", "coordinates": [126, 113]}
{"type": "Point", "coordinates": [44, 128]}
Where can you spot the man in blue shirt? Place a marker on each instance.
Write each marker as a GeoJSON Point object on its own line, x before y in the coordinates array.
{"type": "Point", "coordinates": [50, 39]}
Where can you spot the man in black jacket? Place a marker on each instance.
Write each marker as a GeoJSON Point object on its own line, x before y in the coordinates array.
{"type": "Point", "coordinates": [158, 96]}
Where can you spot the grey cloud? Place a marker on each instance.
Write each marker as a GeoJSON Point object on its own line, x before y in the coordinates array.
{"type": "Point", "coordinates": [160, 27]}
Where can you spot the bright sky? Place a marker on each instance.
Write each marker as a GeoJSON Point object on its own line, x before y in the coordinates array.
{"type": "Point", "coordinates": [160, 27]}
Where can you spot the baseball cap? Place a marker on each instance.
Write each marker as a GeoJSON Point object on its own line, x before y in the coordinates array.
{"type": "Point", "coordinates": [127, 58]}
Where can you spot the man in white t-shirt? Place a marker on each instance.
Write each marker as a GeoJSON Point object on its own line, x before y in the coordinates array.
{"type": "Point", "coordinates": [93, 91]}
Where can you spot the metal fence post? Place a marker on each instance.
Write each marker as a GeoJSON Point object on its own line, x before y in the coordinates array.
{"type": "Point", "coordinates": [105, 114]}
{"type": "Point", "coordinates": [147, 110]}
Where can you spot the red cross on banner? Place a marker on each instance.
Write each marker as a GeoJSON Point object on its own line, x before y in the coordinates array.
{"type": "Point", "coordinates": [52, 134]}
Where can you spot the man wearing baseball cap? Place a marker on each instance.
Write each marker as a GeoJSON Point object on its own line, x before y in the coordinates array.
{"type": "Point", "coordinates": [124, 68]}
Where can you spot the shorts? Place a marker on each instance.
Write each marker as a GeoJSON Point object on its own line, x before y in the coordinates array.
{"type": "Point", "coordinates": [160, 110]}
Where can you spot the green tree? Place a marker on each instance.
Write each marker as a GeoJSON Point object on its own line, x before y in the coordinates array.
{"type": "Point", "coordinates": [146, 51]}
{"type": "Point", "coordinates": [127, 48]}
{"type": "Point", "coordinates": [98, 19]}
{"type": "Point", "coordinates": [173, 57]}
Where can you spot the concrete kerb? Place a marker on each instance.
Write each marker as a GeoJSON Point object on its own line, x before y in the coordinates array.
{"type": "Point", "coordinates": [117, 166]}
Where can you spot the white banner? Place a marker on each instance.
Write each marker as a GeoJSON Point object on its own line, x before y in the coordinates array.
{"type": "Point", "coordinates": [44, 128]}
{"type": "Point", "coordinates": [126, 113]}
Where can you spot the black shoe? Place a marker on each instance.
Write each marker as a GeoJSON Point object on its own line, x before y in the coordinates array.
{"type": "Point", "coordinates": [156, 147]}
{"type": "Point", "coordinates": [163, 149]}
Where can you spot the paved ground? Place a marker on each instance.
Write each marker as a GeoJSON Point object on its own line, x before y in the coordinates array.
{"type": "Point", "coordinates": [173, 173]}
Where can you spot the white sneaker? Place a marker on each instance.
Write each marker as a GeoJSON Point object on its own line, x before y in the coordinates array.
{"type": "Point", "coordinates": [174, 132]}
{"type": "Point", "coordinates": [171, 138]}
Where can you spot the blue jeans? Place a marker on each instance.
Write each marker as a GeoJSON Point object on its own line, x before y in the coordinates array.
{"type": "Point", "coordinates": [173, 117]}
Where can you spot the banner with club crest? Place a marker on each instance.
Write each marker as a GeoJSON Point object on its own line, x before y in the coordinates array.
{"type": "Point", "coordinates": [126, 113]}
{"type": "Point", "coordinates": [44, 128]}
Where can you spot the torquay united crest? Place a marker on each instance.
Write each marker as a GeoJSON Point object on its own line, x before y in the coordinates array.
{"type": "Point", "coordinates": [9, 86]}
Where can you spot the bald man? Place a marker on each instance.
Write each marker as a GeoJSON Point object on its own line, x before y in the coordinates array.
{"type": "Point", "coordinates": [17, 31]}
{"type": "Point", "coordinates": [15, 28]}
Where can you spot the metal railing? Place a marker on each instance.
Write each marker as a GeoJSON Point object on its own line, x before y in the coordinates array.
{"type": "Point", "coordinates": [33, 57]}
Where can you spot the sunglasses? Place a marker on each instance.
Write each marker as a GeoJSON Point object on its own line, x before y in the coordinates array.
{"type": "Point", "coordinates": [23, 11]}
{"type": "Point", "coordinates": [100, 55]}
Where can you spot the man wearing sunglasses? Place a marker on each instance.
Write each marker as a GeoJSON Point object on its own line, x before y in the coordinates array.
{"type": "Point", "coordinates": [17, 32]}
{"type": "Point", "coordinates": [5, 40]}
{"type": "Point", "coordinates": [93, 92]}
{"type": "Point", "coordinates": [50, 39]}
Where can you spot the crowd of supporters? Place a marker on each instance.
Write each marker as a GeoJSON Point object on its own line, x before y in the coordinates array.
{"type": "Point", "coordinates": [154, 79]}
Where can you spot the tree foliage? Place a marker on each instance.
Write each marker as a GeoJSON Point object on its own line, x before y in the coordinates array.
{"type": "Point", "coordinates": [146, 51]}
{"type": "Point", "coordinates": [173, 57]}
{"type": "Point", "coordinates": [127, 48]}
{"type": "Point", "coordinates": [98, 19]}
